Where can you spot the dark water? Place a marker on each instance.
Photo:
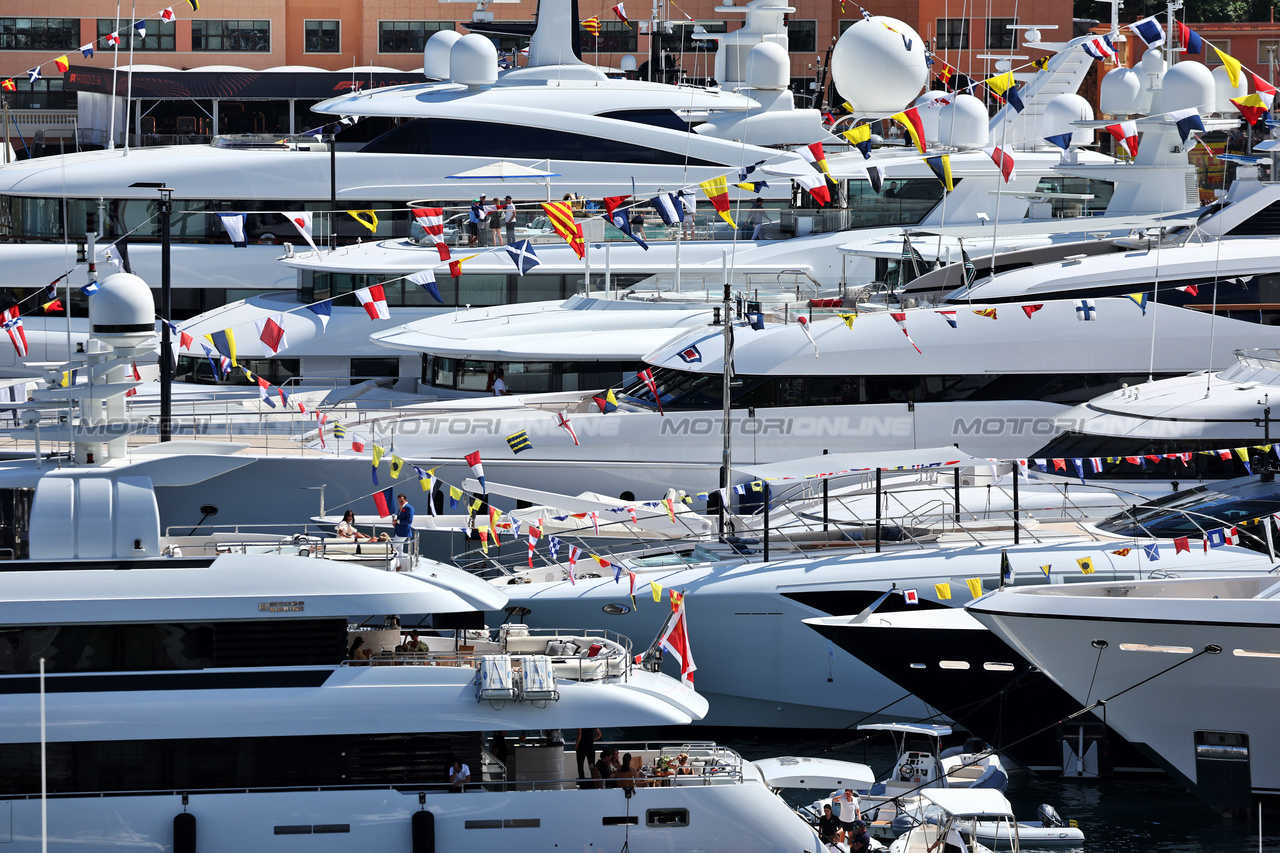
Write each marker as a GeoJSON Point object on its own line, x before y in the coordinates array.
{"type": "Point", "coordinates": [1117, 815]}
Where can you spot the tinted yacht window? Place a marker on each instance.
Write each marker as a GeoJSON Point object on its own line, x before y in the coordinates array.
{"type": "Point", "coordinates": [455, 138]}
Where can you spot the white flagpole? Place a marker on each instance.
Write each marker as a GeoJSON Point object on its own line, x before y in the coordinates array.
{"type": "Point", "coordinates": [115, 67]}
{"type": "Point", "coordinates": [44, 773]}
{"type": "Point", "coordinates": [128, 98]}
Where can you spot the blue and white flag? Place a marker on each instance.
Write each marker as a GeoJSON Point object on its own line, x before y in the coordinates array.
{"type": "Point", "coordinates": [233, 224]}
{"type": "Point", "coordinates": [620, 221]}
{"type": "Point", "coordinates": [1188, 121]}
{"type": "Point", "coordinates": [1062, 140]}
{"type": "Point", "coordinates": [553, 547]}
{"type": "Point", "coordinates": [1152, 551]}
{"type": "Point", "coordinates": [323, 310]}
{"type": "Point", "coordinates": [427, 281]}
{"type": "Point", "coordinates": [87, 50]}
{"type": "Point", "coordinates": [33, 74]}
{"type": "Point", "coordinates": [1085, 310]}
{"type": "Point", "coordinates": [213, 364]}
{"type": "Point", "coordinates": [1149, 30]}
{"type": "Point", "coordinates": [140, 29]}
{"type": "Point", "coordinates": [90, 288]}
{"type": "Point", "coordinates": [670, 211]}
{"type": "Point", "coordinates": [522, 254]}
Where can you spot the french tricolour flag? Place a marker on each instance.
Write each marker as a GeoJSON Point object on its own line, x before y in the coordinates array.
{"type": "Point", "coordinates": [477, 469]}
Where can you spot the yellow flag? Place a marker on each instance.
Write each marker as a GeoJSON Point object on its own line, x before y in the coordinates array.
{"type": "Point", "coordinates": [454, 493]}
{"type": "Point", "coordinates": [848, 319]}
{"type": "Point", "coordinates": [1232, 65]}
{"type": "Point", "coordinates": [428, 481]}
{"type": "Point", "coordinates": [975, 586]}
{"type": "Point", "coordinates": [377, 455]}
{"type": "Point", "coordinates": [717, 190]}
{"type": "Point", "coordinates": [1243, 453]}
{"type": "Point", "coordinates": [1086, 565]}
{"type": "Point", "coordinates": [367, 218]}
{"type": "Point", "coordinates": [396, 464]}
{"type": "Point", "coordinates": [656, 589]}
{"type": "Point", "coordinates": [484, 539]}
{"type": "Point", "coordinates": [475, 506]}
{"type": "Point", "coordinates": [1000, 82]}
{"type": "Point", "coordinates": [859, 134]}
{"type": "Point", "coordinates": [943, 590]}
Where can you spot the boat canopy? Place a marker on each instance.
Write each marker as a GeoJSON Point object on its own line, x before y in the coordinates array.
{"type": "Point", "coordinates": [969, 801]}
{"type": "Point", "coordinates": [926, 729]}
{"type": "Point", "coordinates": [821, 773]}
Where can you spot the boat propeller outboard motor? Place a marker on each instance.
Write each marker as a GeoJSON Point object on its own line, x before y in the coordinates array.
{"type": "Point", "coordinates": [1049, 816]}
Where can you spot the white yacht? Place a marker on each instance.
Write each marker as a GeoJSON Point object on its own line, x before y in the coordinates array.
{"type": "Point", "coordinates": [559, 118]}
{"type": "Point", "coordinates": [1183, 668]}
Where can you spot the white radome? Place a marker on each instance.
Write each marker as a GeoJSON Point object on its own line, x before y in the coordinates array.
{"type": "Point", "coordinates": [879, 70]}
{"type": "Point", "coordinates": [1225, 91]}
{"type": "Point", "coordinates": [435, 54]}
{"type": "Point", "coordinates": [1061, 112]}
{"type": "Point", "coordinates": [123, 312]}
{"type": "Point", "coordinates": [1187, 85]}
{"type": "Point", "coordinates": [1120, 93]}
{"type": "Point", "coordinates": [963, 123]}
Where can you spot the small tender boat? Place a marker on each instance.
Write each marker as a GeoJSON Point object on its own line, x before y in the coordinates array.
{"type": "Point", "coordinates": [953, 821]}
{"type": "Point", "coordinates": [1050, 831]}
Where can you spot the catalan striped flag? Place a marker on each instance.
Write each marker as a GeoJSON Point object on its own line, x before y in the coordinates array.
{"type": "Point", "coordinates": [561, 216]}
{"type": "Point", "coordinates": [592, 25]}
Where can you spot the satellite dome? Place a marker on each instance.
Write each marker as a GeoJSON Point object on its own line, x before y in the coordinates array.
{"type": "Point", "coordinates": [1187, 85]}
{"type": "Point", "coordinates": [1225, 91]}
{"type": "Point", "coordinates": [1059, 114]}
{"type": "Point", "coordinates": [1152, 62]}
{"type": "Point", "coordinates": [878, 66]}
{"type": "Point", "coordinates": [473, 61]}
{"type": "Point", "coordinates": [930, 105]}
{"type": "Point", "coordinates": [122, 312]}
{"type": "Point", "coordinates": [435, 55]}
{"type": "Point", "coordinates": [768, 67]}
{"type": "Point", "coordinates": [1120, 93]}
{"type": "Point", "coordinates": [963, 123]}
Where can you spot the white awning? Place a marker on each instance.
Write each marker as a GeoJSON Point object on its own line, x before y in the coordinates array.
{"type": "Point", "coordinates": [821, 773]}
{"type": "Point", "coordinates": [838, 464]}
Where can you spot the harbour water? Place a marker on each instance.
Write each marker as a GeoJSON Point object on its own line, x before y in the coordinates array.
{"type": "Point", "coordinates": [1130, 815]}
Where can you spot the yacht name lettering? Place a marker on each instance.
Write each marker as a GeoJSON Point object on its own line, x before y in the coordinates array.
{"type": "Point", "coordinates": [803, 426]}
{"type": "Point", "coordinates": [281, 606]}
{"type": "Point", "coordinates": [1012, 426]}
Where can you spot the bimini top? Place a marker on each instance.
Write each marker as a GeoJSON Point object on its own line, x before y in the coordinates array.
{"type": "Point", "coordinates": [234, 587]}
{"type": "Point", "coordinates": [969, 801]}
{"type": "Point", "coordinates": [925, 729]}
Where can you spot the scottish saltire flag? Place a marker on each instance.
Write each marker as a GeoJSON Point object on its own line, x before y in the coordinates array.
{"type": "Point", "coordinates": [523, 256]}
{"type": "Point", "coordinates": [1149, 30]}
{"type": "Point", "coordinates": [33, 74]}
{"type": "Point", "coordinates": [323, 310]}
{"type": "Point", "coordinates": [623, 224]}
{"type": "Point", "coordinates": [426, 279]}
{"type": "Point", "coordinates": [233, 224]}
{"type": "Point", "coordinates": [1152, 551]}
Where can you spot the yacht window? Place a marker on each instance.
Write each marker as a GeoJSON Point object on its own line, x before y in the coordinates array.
{"type": "Point", "coordinates": [530, 377]}
{"type": "Point", "coordinates": [1147, 647]}
{"type": "Point", "coordinates": [277, 371]}
{"type": "Point", "coordinates": [471, 138]}
{"type": "Point", "coordinates": [371, 368]}
{"type": "Point", "coordinates": [903, 201]}
{"type": "Point", "coordinates": [1254, 653]}
{"type": "Point", "coordinates": [1062, 184]}
{"type": "Point", "coordinates": [992, 666]}
{"type": "Point", "coordinates": [1139, 458]}
{"type": "Point", "coordinates": [666, 818]}
{"type": "Point", "coordinates": [653, 118]}
{"type": "Point", "coordinates": [953, 664]}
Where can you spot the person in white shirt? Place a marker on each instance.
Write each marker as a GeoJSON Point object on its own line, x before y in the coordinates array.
{"type": "Point", "coordinates": [848, 810]}
{"type": "Point", "coordinates": [347, 528]}
{"type": "Point", "coordinates": [459, 775]}
{"type": "Point", "coordinates": [499, 384]}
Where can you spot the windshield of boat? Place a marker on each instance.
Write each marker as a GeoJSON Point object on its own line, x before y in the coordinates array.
{"type": "Point", "coordinates": [1246, 504]}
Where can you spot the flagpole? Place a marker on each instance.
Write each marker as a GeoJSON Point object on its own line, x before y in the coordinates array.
{"type": "Point", "coordinates": [115, 68]}
{"type": "Point", "coordinates": [128, 98]}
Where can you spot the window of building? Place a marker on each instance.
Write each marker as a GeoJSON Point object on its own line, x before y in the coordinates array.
{"type": "Point", "coordinates": [46, 93]}
{"type": "Point", "coordinates": [953, 34]}
{"type": "Point", "coordinates": [160, 34]}
{"type": "Point", "coordinates": [321, 37]}
{"type": "Point", "coordinates": [999, 36]}
{"type": "Point", "coordinates": [39, 33]}
{"type": "Point", "coordinates": [1224, 45]}
{"type": "Point", "coordinates": [615, 37]}
{"type": "Point", "coordinates": [686, 29]}
{"type": "Point", "coordinates": [407, 36]}
{"type": "Point", "coordinates": [802, 36]}
{"type": "Point", "coordinates": [1264, 58]}
{"type": "Point", "coordinates": [233, 36]}
{"type": "Point", "coordinates": [844, 25]}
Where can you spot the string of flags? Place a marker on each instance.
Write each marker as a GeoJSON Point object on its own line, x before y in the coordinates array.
{"type": "Point", "coordinates": [63, 63]}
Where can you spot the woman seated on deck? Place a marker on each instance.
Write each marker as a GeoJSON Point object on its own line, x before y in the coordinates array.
{"type": "Point", "coordinates": [626, 775]}
{"type": "Point", "coordinates": [347, 528]}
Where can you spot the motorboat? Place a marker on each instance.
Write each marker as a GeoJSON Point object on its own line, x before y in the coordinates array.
{"type": "Point", "coordinates": [1179, 664]}
{"type": "Point", "coordinates": [979, 819]}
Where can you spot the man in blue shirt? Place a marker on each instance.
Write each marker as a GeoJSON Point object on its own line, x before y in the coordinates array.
{"type": "Point", "coordinates": [404, 523]}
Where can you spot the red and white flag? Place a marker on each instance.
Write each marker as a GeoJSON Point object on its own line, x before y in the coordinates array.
{"type": "Point", "coordinates": [271, 333]}
{"type": "Point", "coordinates": [133, 372]}
{"type": "Point", "coordinates": [477, 469]}
{"type": "Point", "coordinates": [595, 522]}
{"type": "Point", "coordinates": [1004, 160]}
{"type": "Point", "coordinates": [320, 419]}
{"type": "Point", "coordinates": [573, 563]}
{"type": "Point", "coordinates": [535, 533]}
{"type": "Point", "coordinates": [301, 220]}
{"type": "Point", "coordinates": [113, 40]}
{"type": "Point", "coordinates": [676, 642]}
{"type": "Point", "coordinates": [646, 376]}
{"type": "Point", "coordinates": [13, 325]}
{"type": "Point", "coordinates": [900, 318]}
{"type": "Point", "coordinates": [804, 327]}
{"type": "Point", "coordinates": [357, 443]}
{"type": "Point", "coordinates": [622, 14]}
{"type": "Point", "coordinates": [374, 302]}
{"type": "Point", "coordinates": [167, 15]}
{"type": "Point", "coordinates": [1126, 136]}
{"type": "Point", "coordinates": [563, 423]}
{"type": "Point", "coordinates": [432, 221]}
{"type": "Point", "coordinates": [631, 511]}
